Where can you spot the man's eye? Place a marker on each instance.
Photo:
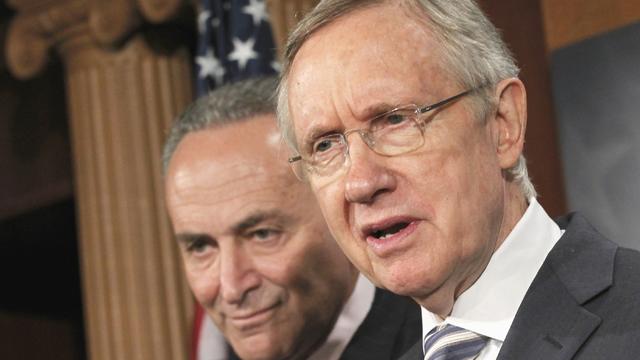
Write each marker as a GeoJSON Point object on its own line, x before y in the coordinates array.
{"type": "Point", "coordinates": [199, 246]}
{"type": "Point", "coordinates": [395, 119]}
{"type": "Point", "coordinates": [322, 145]}
{"type": "Point", "coordinates": [264, 234]}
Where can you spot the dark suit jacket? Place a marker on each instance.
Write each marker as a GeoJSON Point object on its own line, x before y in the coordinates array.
{"type": "Point", "coordinates": [584, 303]}
{"type": "Point", "coordinates": [391, 327]}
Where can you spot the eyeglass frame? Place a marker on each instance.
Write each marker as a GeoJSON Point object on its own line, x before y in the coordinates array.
{"type": "Point", "coordinates": [418, 112]}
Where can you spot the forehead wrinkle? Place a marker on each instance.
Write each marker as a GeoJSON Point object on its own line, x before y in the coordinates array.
{"type": "Point", "coordinates": [234, 180]}
{"type": "Point", "coordinates": [268, 196]}
{"type": "Point", "coordinates": [358, 95]}
{"type": "Point", "coordinates": [349, 99]}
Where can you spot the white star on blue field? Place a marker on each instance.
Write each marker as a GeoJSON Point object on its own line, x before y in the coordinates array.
{"type": "Point", "coordinates": [234, 42]}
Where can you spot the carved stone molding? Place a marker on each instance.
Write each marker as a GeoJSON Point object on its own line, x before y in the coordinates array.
{"type": "Point", "coordinates": [157, 11]}
{"type": "Point", "coordinates": [44, 24]}
{"type": "Point", "coordinates": [110, 21]}
{"type": "Point", "coordinates": [32, 34]}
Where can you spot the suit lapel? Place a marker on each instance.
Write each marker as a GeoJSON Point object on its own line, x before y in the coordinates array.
{"type": "Point", "coordinates": [551, 323]}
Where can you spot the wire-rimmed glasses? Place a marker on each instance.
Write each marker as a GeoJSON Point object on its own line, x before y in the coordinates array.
{"type": "Point", "coordinates": [395, 132]}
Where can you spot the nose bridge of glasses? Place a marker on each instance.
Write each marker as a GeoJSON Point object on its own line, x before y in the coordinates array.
{"type": "Point", "coordinates": [365, 136]}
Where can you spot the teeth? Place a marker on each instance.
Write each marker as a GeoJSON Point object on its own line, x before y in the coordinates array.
{"type": "Point", "coordinates": [385, 233]}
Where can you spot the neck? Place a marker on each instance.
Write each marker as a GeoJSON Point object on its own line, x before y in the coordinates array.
{"type": "Point", "coordinates": [441, 300]}
{"type": "Point", "coordinates": [515, 205]}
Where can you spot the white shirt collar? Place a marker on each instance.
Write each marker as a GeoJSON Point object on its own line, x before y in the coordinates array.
{"type": "Point", "coordinates": [489, 306]}
{"type": "Point", "coordinates": [353, 314]}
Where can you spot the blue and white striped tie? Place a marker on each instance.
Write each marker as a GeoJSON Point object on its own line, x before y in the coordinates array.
{"type": "Point", "coordinates": [449, 342]}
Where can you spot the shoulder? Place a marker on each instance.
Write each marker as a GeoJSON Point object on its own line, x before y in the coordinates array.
{"type": "Point", "coordinates": [605, 279]}
{"type": "Point", "coordinates": [584, 301]}
{"type": "Point", "coordinates": [583, 258]}
{"type": "Point", "coordinates": [582, 242]}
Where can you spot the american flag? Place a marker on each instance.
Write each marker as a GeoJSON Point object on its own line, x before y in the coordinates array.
{"type": "Point", "coordinates": [234, 42]}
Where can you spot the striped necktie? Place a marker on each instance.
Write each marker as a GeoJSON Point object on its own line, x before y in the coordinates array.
{"type": "Point", "coordinates": [449, 342]}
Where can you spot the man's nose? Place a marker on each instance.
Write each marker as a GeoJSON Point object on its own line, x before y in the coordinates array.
{"type": "Point", "coordinates": [367, 177]}
{"type": "Point", "coordinates": [237, 275]}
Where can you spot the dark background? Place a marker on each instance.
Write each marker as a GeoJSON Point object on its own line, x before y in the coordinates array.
{"type": "Point", "coordinates": [40, 296]}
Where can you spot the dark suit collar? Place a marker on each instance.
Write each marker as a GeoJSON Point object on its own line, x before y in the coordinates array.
{"type": "Point", "coordinates": [391, 327]}
{"type": "Point", "coordinates": [551, 323]}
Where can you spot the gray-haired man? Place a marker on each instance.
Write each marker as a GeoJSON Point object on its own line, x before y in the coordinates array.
{"type": "Point", "coordinates": [409, 121]}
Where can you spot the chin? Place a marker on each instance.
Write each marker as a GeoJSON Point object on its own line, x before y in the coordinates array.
{"type": "Point", "coordinates": [254, 353]}
{"type": "Point", "coordinates": [394, 278]}
{"type": "Point", "coordinates": [259, 348]}
{"type": "Point", "coordinates": [401, 278]}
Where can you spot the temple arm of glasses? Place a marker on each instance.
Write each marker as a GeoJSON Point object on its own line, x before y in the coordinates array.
{"type": "Point", "coordinates": [294, 159]}
{"type": "Point", "coordinates": [444, 102]}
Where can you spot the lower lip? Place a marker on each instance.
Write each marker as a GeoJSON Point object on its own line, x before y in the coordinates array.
{"type": "Point", "coordinates": [385, 247]}
{"type": "Point", "coordinates": [253, 321]}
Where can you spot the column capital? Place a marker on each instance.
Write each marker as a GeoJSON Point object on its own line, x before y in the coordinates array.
{"type": "Point", "coordinates": [41, 25]}
{"type": "Point", "coordinates": [158, 11]}
{"type": "Point", "coordinates": [37, 27]}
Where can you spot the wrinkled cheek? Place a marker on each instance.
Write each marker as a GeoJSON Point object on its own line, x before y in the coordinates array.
{"type": "Point", "coordinates": [333, 208]}
{"type": "Point", "coordinates": [311, 273]}
{"type": "Point", "coordinates": [328, 199]}
{"type": "Point", "coordinates": [205, 288]}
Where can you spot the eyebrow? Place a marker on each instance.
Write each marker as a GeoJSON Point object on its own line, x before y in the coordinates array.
{"type": "Point", "coordinates": [248, 222]}
{"type": "Point", "coordinates": [366, 114]}
{"type": "Point", "coordinates": [258, 217]}
{"type": "Point", "coordinates": [316, 133]}
{"type": "Point", "coordinates": [376, 109]}
{"type": "Point", "coordinates": [188, 238]}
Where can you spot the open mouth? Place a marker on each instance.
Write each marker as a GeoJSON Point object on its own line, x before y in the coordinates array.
{"type": "Point", "coordinates": [384, 233]}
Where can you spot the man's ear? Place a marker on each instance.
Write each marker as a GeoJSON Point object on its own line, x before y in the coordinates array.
{"type": "Point", "coordinates": [510, 121]}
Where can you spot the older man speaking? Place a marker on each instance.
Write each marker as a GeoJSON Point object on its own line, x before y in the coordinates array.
{"type": "Point", "coordinates": [409, 121]}
{"type": "Point", "coordinates": [257, 253]}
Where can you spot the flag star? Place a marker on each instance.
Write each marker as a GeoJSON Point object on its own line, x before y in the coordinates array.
{"type": "Point", "coordinates": [275, 65]}
{"type": "Point", "coordinates": [258, 11]}
{"type": "Point", "coordinates": [243, 52]}
{"type": "Point", "coordinates": [210, 66]}
{"type": "Point", "coordinates": [202, 20]}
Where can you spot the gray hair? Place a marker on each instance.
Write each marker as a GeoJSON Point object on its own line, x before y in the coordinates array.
{"type": "Point", "coordinates": [472, 49]}
{"type": "Point", "coordinates": [227, 104]}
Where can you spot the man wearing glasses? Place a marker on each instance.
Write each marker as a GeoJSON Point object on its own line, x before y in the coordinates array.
{"type": "Point", "coordinates": [257, 253]}
{"type": "Point", "coordinates": [409, 121]}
